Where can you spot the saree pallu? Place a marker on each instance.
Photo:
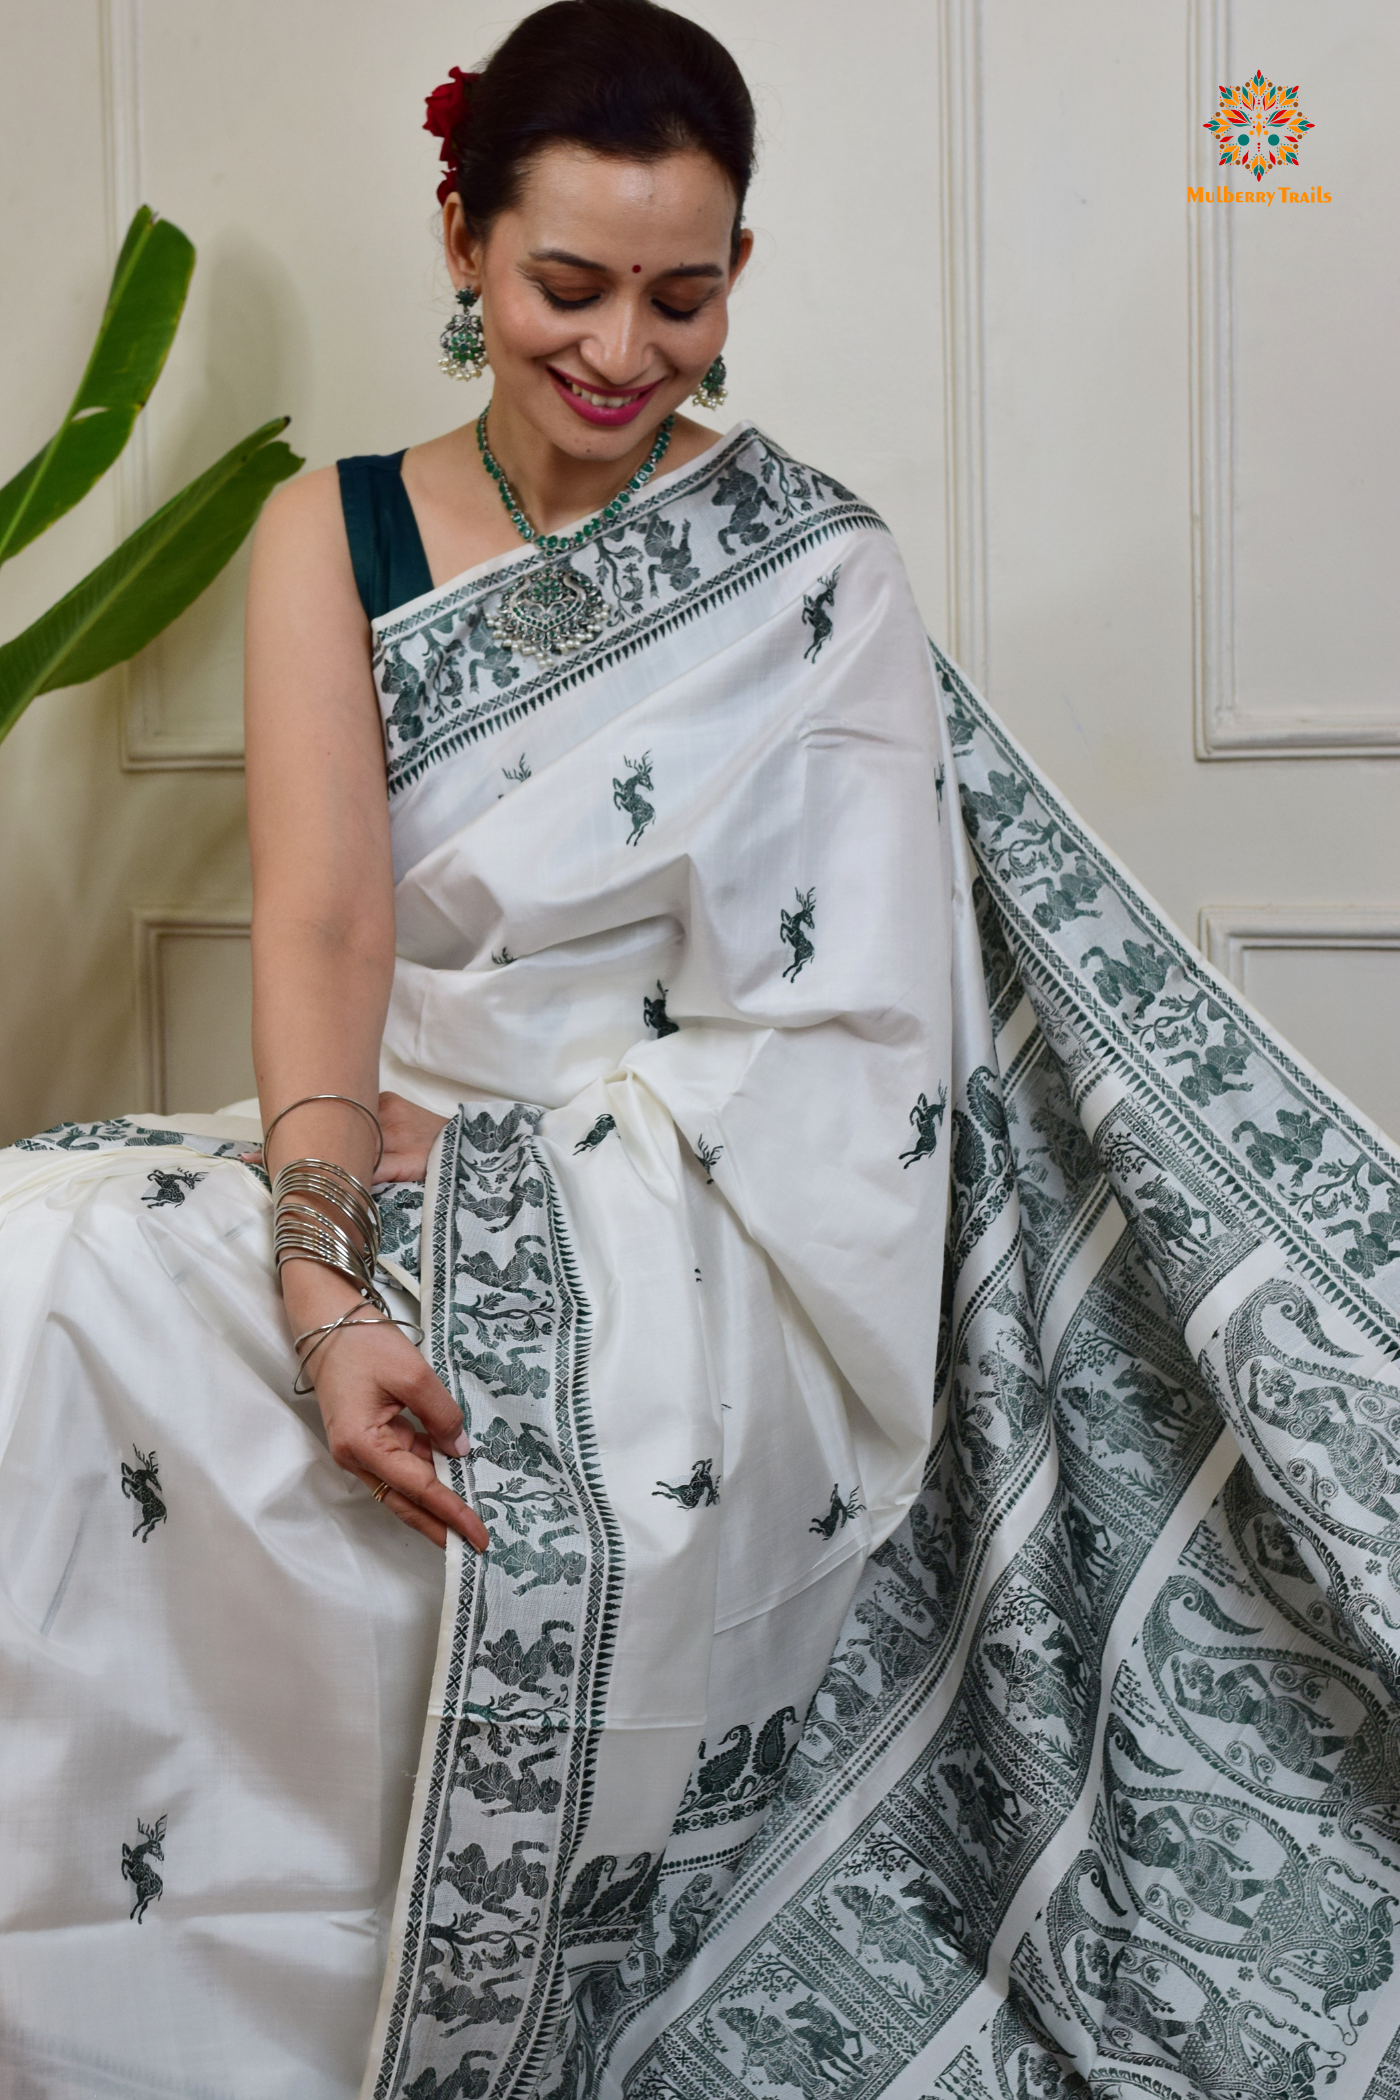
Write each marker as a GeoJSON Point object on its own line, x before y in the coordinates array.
{"type": "Point", "coordinates": [930, 1354]}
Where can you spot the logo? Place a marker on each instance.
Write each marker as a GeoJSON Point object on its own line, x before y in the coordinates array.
{"type": "Point", "coordinates": [1258, 126]}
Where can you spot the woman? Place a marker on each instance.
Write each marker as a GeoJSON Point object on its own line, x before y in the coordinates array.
{"type": "Point", "coordinates": [816, 1705]}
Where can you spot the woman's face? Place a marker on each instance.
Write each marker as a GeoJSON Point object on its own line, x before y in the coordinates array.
{"type": "Point", "coordinates": [604, 293]}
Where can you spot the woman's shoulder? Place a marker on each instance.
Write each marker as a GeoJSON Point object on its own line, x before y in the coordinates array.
{"type": "Point", "coordinates": [301, 554]}
{"type": "Point", "coordinates": [304, 510]}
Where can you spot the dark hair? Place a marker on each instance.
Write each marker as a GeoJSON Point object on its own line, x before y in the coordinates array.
{"type": "Point", "coordinates": [622, 77]}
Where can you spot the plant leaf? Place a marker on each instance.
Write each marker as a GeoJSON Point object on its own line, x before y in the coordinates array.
{"type": "Point", "coordinates": [142, 314]}
{"type": "Point", "coordinates": [154, 574]}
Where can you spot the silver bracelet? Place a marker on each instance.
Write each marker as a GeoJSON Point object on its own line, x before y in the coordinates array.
{"type": "Point", "coordinates": [295, 1241]}
{"type": "Point", "coordinates": [353, 1318]}
{"type": "Point", "coordinates": [324, 1213]}
{"type": "Point", "coordinates": [334, 1186]}
{"type": "Point", "coordinates": [350, 1102]}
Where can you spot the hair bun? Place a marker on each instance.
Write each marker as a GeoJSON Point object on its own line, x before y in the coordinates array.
{"type": "Point", "coordinates": [625, 78]}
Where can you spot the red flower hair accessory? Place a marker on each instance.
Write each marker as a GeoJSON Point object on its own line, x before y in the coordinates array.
{"type": "Point", "coordinates": [449, 107]}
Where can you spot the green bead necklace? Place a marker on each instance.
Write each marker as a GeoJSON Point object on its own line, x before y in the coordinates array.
{"type": "Point", "coordinates": [553, 610]}
{"type": "Point", "coordinates": [565, 542]}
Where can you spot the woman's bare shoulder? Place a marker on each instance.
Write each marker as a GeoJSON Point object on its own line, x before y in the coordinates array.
{"type": "Point", "coordinates": [300, 541]}
{"type": "Point", "coordinates": [305, 510]}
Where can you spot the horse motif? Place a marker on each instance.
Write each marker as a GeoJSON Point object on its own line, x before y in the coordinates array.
{"type": "Point", "coordinates": [627, 794]}
{"type": "Point", "coordinates": [137, 1868]}
{"type": "Point", "coordinates": [141, 1484]}
{"type": "Point", "coordinates": [1042, 1683]}
{"type": "Point", "coordinates": [794, 929]}
{"type": "Point", "coordinates": [824, 2033]}
{"type": "Point", "coordinates": [775, 2053]}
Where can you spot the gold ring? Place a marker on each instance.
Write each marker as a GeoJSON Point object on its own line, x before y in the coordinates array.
{"type": "Point", "coordinates": [381, 1491]}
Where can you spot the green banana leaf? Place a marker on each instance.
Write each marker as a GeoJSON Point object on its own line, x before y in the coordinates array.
{"type": "Point", "coordinates": [138, 327]}
{"type": "Point", "coordinates": [153, 575]}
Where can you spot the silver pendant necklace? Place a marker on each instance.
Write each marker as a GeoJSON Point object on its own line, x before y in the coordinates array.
{"type": "Point", "coordinates": [553, 610]}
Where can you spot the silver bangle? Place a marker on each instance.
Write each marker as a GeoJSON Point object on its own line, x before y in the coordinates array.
{"type": "Point", "coordinates": [336, 1255]}
{"type": "Point", "coordinates": [353, 1318]}
{"type": "Point", "coordinates": [350, 1102]}
{"type": "Point", "coordinates": [335, 1187]}
{"type": "Point", "coordinates": [307, 1236]}
{"type": "Point", "coordinates": [324, 1213]}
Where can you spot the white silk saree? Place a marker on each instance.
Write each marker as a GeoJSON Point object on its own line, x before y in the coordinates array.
{"type": "Point", "coordinates": [930, 1359]}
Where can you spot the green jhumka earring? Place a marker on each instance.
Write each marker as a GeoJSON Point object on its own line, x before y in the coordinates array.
{"type": "Point", "coordinates": [710, 393]}
{"type": "Point", "coordinates": [463, 342]}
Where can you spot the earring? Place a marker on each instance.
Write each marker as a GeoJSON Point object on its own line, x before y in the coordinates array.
{"type": "Point", "coordinates": [463, 343]}
{"type": "Point", "coordinates": [710, 393]}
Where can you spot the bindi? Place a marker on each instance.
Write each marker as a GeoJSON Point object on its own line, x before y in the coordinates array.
{"type": "Point", "coordinates": [636, 269]}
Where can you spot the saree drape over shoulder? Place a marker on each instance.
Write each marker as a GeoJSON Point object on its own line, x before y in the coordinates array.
{"type": "Point", "coordinates": [930, 1354]}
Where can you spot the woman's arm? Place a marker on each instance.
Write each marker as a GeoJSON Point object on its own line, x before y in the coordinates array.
{"type": "Point", "coordinates": [323, 960]}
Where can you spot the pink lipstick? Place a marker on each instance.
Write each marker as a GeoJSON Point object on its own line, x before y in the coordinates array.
{"type": "Point", "coordinates": [610, 408]}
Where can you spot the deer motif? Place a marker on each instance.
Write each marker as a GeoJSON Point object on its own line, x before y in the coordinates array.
{"type": "Point", "coordinates": [925, 1117]}
{"type": "Point", "coordinates": [141, 1483]}
{"type": "Point", "coordinates": [627, 794]}
{"type": "Point", "coordinates": [794, 929]}
{"type": "Point", "coordinates": [592, 1139]}
{"type": "Point", "coordinates": [170, 1187]}
{"type": "Point", "coordinates": [816, 614]}
{"type": "Point", "coordinates": [709, 1157]}
{"type": "Point", "coordinates": [701, 1491]}
{"type": "Point", "coordinates": [654, 1014]}
{"type": "Point", "coordinates": [137, 1868]}
{"type": "Point", "coordinates": [839, 1514]}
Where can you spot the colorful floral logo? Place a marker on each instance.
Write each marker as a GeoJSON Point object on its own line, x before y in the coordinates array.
{"type": "Point", "coordinates": [1258, 126]}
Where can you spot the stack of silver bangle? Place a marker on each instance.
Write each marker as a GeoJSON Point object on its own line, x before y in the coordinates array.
{"type": "Point", "coordinates": [322, 1212]}
{"type": "Point", "coordinates": [339, 1228]}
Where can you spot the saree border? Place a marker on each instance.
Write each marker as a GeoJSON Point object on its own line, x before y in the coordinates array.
{"type": "Point", "coordinates": [1075, 1012]}
{"type": "Point", "coordinates": [808, 516]}
{"type": "Point", "coordinates": [464, 1206]}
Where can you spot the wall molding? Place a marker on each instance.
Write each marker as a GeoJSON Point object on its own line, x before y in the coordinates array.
{"type": "Point", "coordinates": [146, 745]}
{"type": "Point", "coordinates": [964, 391]}
{"type": "Point", "coordinates": [1225, 727]}
{"type": "Point", "coordinates": [151, 929]}
{"type": "Point", "coordinates": [1229, 931]}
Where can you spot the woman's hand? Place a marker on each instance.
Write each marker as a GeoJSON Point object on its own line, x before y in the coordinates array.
{"type": "Point", "coordinates": [365, 1376]}
{"type": "Point", "coordinates": [409, 1136]}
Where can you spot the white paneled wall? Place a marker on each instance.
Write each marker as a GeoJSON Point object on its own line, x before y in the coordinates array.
{"type": "Point", "coordinates": [1140, 454]}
